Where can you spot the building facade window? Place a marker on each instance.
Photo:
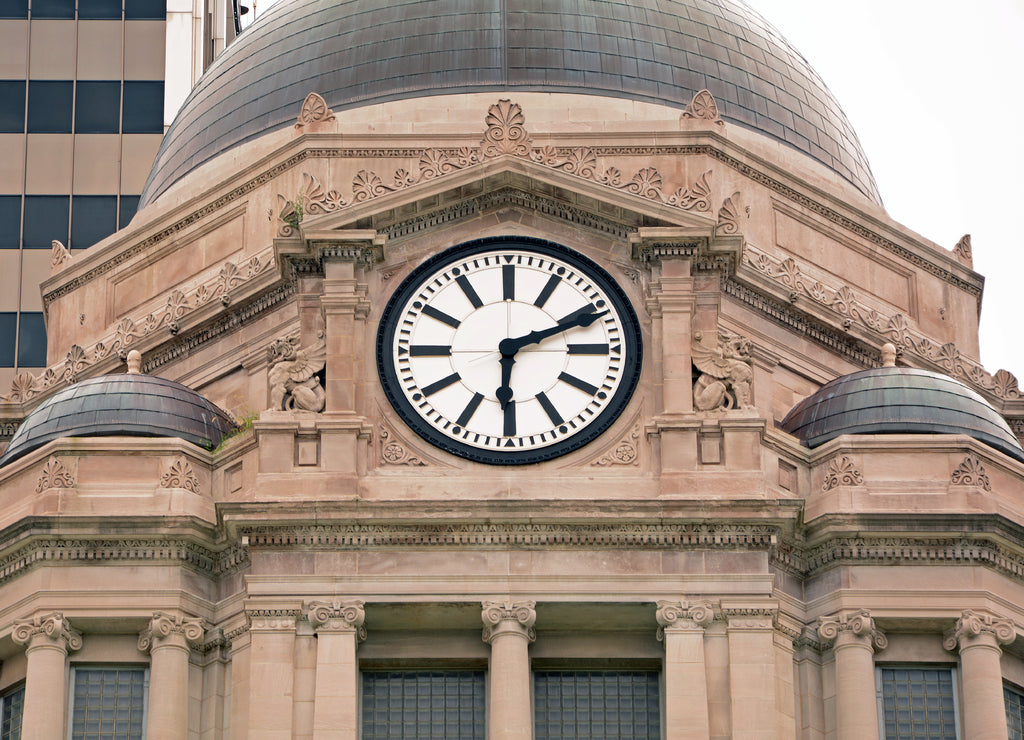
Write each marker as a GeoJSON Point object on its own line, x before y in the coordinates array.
{"type": "Point", "coordinates": [1014, 699]}
{"type": "Point", "coordinates": [917, 703]}
{"type": "Point", "coordinates": [596, 704]}
{"type": "Point", "coordinates": [108, 703]}
{"type": "Point", "coordinates": [12, 706]}
{"type": "Point", "coordinates": [12, 106]}
{"type": "Point", "coordinates": [424, 705]}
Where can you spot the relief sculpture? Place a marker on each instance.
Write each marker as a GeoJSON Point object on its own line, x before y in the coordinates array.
{"type": "Point", "coordinates": [725, 372]}
{"type": "Point", "coordinates": [294, 375]}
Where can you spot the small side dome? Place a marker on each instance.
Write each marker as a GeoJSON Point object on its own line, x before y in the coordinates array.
{"type": "Point", "coordinates": [113, 405]}
{"type": "Point", "coordinates": [899, 400]}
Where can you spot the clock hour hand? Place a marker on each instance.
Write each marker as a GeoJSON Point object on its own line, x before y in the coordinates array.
{"type": "Point", "coordinates": [504, 393]}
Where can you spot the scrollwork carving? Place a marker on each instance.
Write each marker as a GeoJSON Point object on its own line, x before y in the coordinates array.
{"type": "Point", "coordinates": [625, 452]}
{"type": "Point", "coordinates": [673, 616]}
{"type": "Point", "coordinates": [337, 616]}
{"type": "Point", "coordinates": [841, 471]}
{"type": "Point", "coordinates": [857, 624]}
{"type": "Point", "coordinates": [50, 628]}
{"type": "Point", "coordinates": [971, 625]}
{"type": "Point", "coordinates": [59, 255]}
{"type": "Point", "coordinates": [506, 131]}
{"type": "Point", "coordinates": [962, 251]}
{"type": "Point", "coordinates": [970, 472]}
{"type": "Point", "coordinates": [729, 215]}
{"type": "Point", "coordinates": [314, 110]}
{"type": "Point", "coordinates": [171, 629]}
{"type": "Point", "coordinates": [55, 475]}
{"type": "Point", "coordinates": [502, 616]}
{"type": "Point", "coordinates": [180, 475]}
{"type": "Point", "coordinates": [703, 108]}
{"type": "Point", "coordinates": [393, 452]}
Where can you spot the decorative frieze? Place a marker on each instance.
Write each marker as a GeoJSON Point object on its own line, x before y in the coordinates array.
{"type": "Point", "coordinates": [500, 617]}
{"type": "Point", "coordinates": [47, 629]}
{"type": "Point", "coordinates": [970, 472]}
{"type": "Point", "coordinates": [272, 620]}
{"type": "Point", "coordinates": [841, 471]}
{"type": "Point", "coordinates": [167, 629]}
{"type": "Point", "coordinates": [857, 625]}
{"type": "Point", "coordinates": [55, 475]}
{"type": "Point", "coordinates": [971, 625]}
{"type": "Point", "coordinates": [180, 475]}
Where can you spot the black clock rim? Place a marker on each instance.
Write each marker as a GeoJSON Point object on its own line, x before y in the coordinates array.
{"type": "Point", "coordinates": [612, 411]}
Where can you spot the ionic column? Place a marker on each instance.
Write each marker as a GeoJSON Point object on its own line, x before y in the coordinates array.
{"type": "Point", "coordinates": [508, 629]}
{"type": "Point", "coordinates": [686, 692]}
{"type": "Point", "coordinates": [979, 636]}
{"type": "Point", "coordinates": [856, 639]}
{"type": "Point", "coordinates": [47, 638]}
{"type": "Point", "coordinates": [339, 630]}
{"type": "Point", "coordinates": [166, 639]}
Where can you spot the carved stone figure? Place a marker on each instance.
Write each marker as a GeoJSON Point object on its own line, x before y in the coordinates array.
{"type": "Point", "coordinates": [294, 383]}
{"type": "Point", "coordinates": [725, 372]}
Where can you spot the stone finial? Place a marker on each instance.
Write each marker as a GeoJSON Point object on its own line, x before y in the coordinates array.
{"type": "Point", "coordinates": [888, 355]}
{"type": "Point", "coordinates": [134, 361]}
{"type": "Point", "coordinates": [314, 110]}
{"type": "Point", "coordinates": [172, 630]}
{"type": "Point", "coordinates": [856, 627]}
{"type": "Point", "coordinates": [726, 372]}
{"type": "Point", "coordinates": [703, 108]}
{"type": "Point", "coordinates": [47, 629]}
{"type": "Point", "coordinates": [672, 616]}
{"type": "Point", "coordinates": [509, 616]}
{"type": "Point", "coordinates": [973, 628]}
{"type": "Point", "coordinates": [337, 616]}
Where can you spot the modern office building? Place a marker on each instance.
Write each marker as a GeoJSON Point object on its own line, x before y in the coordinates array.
{"type": "Point", "coordinates": [579, 385]}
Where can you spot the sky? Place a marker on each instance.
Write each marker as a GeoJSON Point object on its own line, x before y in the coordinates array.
{"type": "Point", "coordinates": [935, 91]}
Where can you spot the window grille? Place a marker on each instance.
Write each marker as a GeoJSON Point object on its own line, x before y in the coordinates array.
{"type": "Point", "coordinates": [917, 703]}
{"type": "Point", "coordinates": [599, 705]}
{"type": "Point", "coordinates": [12, 706]}
{"type": "Point", "coordinates": [423, 705]}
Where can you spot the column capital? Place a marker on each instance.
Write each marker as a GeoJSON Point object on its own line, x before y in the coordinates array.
{"type": "Point", "coordinates": [852, 628]}
{"type": "Point", "coordinates": [170, 630]}
{"type": "Point", "coordinates": [672, 616]}
{"type": "Point", "coordinates": [501, 617]}
{"type": "Point", "coordinates": [974, 628]}
{"type": "Point", "coordinates": [47, 630]}
{"type": "Point", "coordinates": [337, 616]}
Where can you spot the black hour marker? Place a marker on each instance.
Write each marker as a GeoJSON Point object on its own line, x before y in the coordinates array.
{"type": "Point", "coordinates": [441, 316]}
{"type": "Point", "coordinates": [589, 308]}
{"type": "Point", "coordinates": [467, 413]}
{"type": "Point", "coordinates": [549, 409]}
{"type": "Point", "coordinates": [510, 419]}
{"type": "Point", "coordinates": [549, 288]}
{"type": "Point", "coordinates": [430, 350]}
{"type": "Point", "coordinates": [508, 282]}
{"type": "Point", "coordinates": [467, 288]}
{"type": "Point", "coordinates": [575, 383]}
{"type": "Point", "coordinates": [441, 384]}
{"type": "Point", "coordinates": [586, 349]}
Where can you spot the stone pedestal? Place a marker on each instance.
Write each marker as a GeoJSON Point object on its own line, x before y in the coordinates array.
{"type": "Point", "coordinates": [855, 640]}
{"type": "Point", "coordinates": [47, 639]}
{"type": "Point", "coordinates": [339, 629]}
{"type": "Point", "coordinates": [166, 639]}
{"type": "Point", "coordinates": [686, 694]}
{"type": "Point", "coordinates": [508, 628]}
{"type": "Point", "coordinates": [978, 637]}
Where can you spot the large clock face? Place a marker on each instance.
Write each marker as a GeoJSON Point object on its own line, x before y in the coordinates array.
{"type": "Point", "coordinates": [509, 351]}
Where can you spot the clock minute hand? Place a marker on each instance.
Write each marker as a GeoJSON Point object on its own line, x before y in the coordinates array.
{"type": "Point", "coordinates": [511, 346]}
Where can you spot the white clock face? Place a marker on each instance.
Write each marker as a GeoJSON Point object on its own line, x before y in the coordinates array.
{"type": "Point", "coordinates": [509, 351]}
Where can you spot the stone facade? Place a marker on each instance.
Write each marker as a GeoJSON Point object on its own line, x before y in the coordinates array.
{"type": "Point", "coordinates": [764, 582]}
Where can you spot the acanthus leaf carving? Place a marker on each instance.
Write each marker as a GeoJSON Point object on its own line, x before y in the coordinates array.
{"type": "Point", "coordinates": [506, 131]}
{"type": "Point", "coordinates": [729, 215]}
{"type": "Point", "coordinates": [970, 472]}
{"type": "Point", "coordinates": [55, 475]}
{"type": "Point", "coordinates": [726, 372]}
{"type": "Point", "coordinates": [180, 475]}
{"type": "Point", "coordinates": [841, 471]}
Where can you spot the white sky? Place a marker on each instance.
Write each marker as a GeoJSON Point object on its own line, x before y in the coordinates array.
{"type": "Point", "coordinates": [934, 89]}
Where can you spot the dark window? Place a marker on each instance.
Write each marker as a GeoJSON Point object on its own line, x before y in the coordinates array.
{"type": "Point", "coordinates": [596, 704]}
{"type": "Point", "coordinates": [107, 703]}
{"type": "Point", "coordinates": [145, 10]}
{"type": "Point", "coordinates": [10, 221]}
{"type": "Point", "coordinates": [129, 205]}
{"type": "Point", "coordinates": [99, 9]}
{"type": "Point", "coordinates": [13, 8]}
{"type": "Point", "coordinates": [917, 703]}
{"type": "Point", "coordinates": [97, 107]}
{"type": "Point", "coordinates": [49, 107]}
{"type": "Point", "coordinates": [423, 705]}
{"type": "Point", "coordinates": [12, 106]}
{"type": "Point", "coordinates": [53, 8]}
{"type": "Point", "coordinates": [93, 217]}
{"type": "Point", "coordinates": [31, 340]}
{"type": "Point", "coordinates": [8, 337]}
{"type": "Point", "coordinates": [46, 219]}
{"type": "Point", "coordinates": [1014, 700]}
{"type": "Point", "coordinates": [143, 111]}
{"type": "Point", "coordinates": [10, 717]}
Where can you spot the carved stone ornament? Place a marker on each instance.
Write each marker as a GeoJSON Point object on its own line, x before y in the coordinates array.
{"type": "Point", "coordinates": [294, 383]}
{"type": "Point", "coordinates": [729, 215]}
{"type": "Point", "coordinates": [841, 471]}
{"type": "Point", "coordinates": [312, 198]}
{"type": "Point", "coordinates": [962, 251]}
{"type": "Point", "coordinates": [509, 616]}
{"type": "Point", "coordinates": [59, 255]}
{"type": "Point", "coordinates": [47, 629]}
{"type": "Point", "coordinates": [857, 625]}
{"type": "Point", "coordinates": [672, 616]}
{"type": "Point", "coordinates": [337, 616]}
{"type": "Point", "coordinates": [973, 625]}
{"type": "Point", "coordinates": [971, 472]}
{"type": "Point", "coordinates": [393, 451]}
{"type": "Point", "coordinates": [170, 629]}
{"type": "Point", "coordinates": [726, 372]}
{"type": "Point", "coordinates": [704, 108]}
{"type": "Point", "coordinates": [55, 475]}
{"type": "Point", "coordinates": [314, 110]}
{"type": "Point", "coordinates": [180, 475]}
{"type": "Point", "coordinates": [625, 452]}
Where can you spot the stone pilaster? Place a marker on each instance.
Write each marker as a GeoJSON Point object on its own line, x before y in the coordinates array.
{"type": "Point", "coordinates": [681, 628]}
{"type": "Point", "coordinates": [978, 637]}
{"type": "Point", "coordinates": [167, 640]}
{"type": "Point", "coordinates": [48, 638]}
{"type": "Point", "coordinates": [855, 639]}
{"type": "Point", "coordinates": [752, 674]}
{"type": "Point", "coordinates": [271, 673]}
{"type": "Point", "coordinates": [508, 629]}
{"type": "Point", "coordinates": [339, 629]}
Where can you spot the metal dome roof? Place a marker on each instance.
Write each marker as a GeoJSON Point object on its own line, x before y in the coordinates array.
{"type": "Point", "coordinates": [112, 405]}
{"type": "Point", "coordinates": [360, 52]}
{"type": "Point", "coordinates": [899, 400]}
